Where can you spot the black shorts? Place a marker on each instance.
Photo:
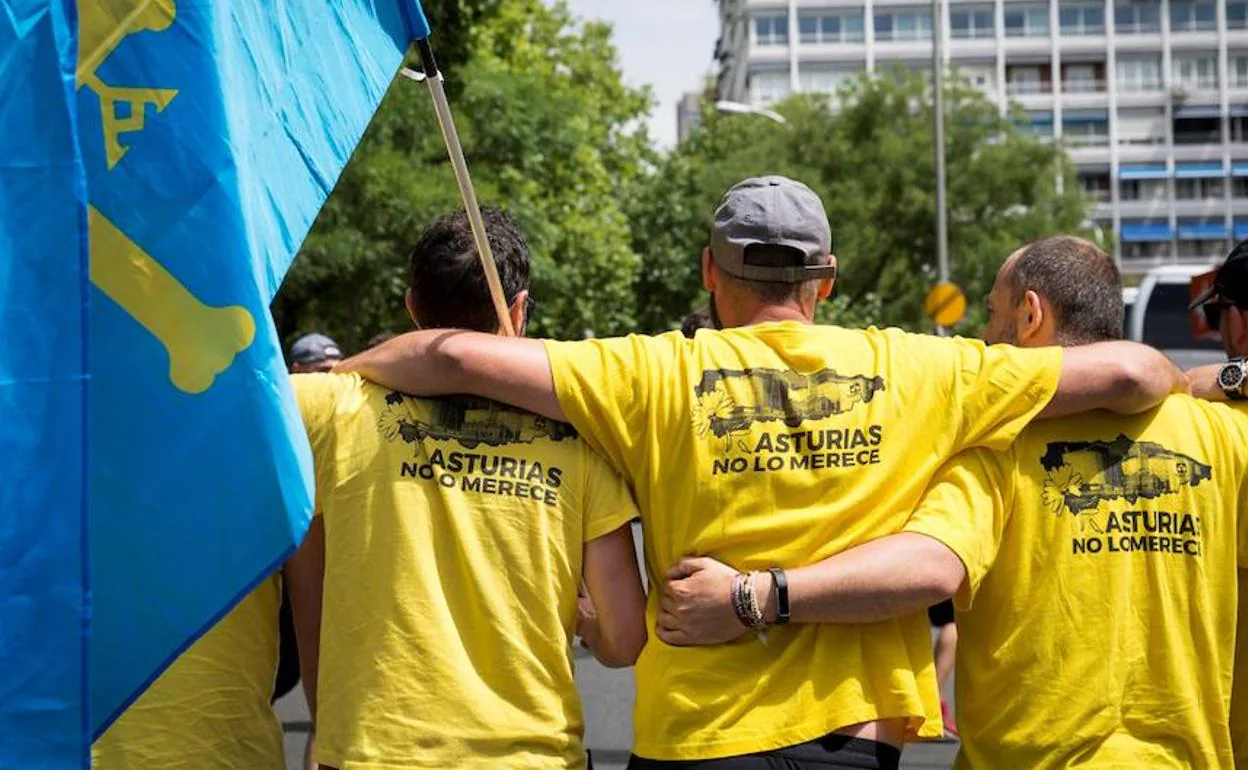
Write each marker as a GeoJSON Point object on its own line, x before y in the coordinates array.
{"type": "Point", "coordinates": [941, 614]}
{"type": "Point", "coordinates": [831, 752]}
{"type": "Point", "coordinates": [287, 651]}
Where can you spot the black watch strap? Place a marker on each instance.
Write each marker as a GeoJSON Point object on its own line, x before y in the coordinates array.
{"type": "Point", "coordinates": [781, 583]}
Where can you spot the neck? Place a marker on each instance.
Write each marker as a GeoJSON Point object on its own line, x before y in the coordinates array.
{"type": "Point", "coordinates": [752, 314]}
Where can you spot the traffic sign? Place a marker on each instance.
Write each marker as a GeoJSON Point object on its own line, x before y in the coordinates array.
{"type": "Point", "coordinates": [945, 304]}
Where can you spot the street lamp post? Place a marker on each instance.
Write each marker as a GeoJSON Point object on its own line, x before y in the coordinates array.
{"type": "Point", "coordinates": [938, 85]}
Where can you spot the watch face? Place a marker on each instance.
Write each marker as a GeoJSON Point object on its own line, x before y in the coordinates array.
{"type": "Point", "coordinates": [1231, 377]}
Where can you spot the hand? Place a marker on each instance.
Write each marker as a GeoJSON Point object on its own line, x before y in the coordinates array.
{"type": "Point", "coordinates": [586, 622]}
{"type": "Point", "coordinates": [696, 608]}
{"type": "Point", "coordinates": [1204, 383]}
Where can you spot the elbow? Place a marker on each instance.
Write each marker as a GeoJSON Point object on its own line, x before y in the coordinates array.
{"type": "Point", "coordinates": [622, 652]}
{"type": "Point", "coordinates": [945, 582]}
{"type": "Point", "coordinates": [1141, 382]}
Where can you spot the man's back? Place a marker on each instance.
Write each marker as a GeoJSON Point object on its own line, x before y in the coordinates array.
{"type": "Point", "coordinates": [454, 531]}
{"type": "Point", "coordinates": [781, 444]}
{"type": "Point", "coordinates": [1111, 600]}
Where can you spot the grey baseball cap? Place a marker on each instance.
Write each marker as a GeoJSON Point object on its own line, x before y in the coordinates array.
{"type": "Point", "coordinates": [772, 211]}
{"type": "Point", "coordinates": [314, 348]}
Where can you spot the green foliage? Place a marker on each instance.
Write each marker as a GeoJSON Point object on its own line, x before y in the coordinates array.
{"type": "Point", "coordinates": [617, 229]}
{"type": "Point", "coordinates": [549, 130]}
{"type": "Point", "coordinates": [871, 160]}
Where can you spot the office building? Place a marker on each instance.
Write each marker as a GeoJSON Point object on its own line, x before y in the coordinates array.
{"type": "Point", "coordinates": [1149, 96]}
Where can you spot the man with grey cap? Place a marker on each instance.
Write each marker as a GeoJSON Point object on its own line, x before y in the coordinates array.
{"type": "Point", "coordinates": [314, 353]}
{"type": "Point", "coordinates": [775, 441]}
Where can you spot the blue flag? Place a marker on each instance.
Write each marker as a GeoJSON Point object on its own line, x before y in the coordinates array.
{"type": "Point", "coordinates": [211, 134]}
{"type": "Point", "coordinates": [43, 394]}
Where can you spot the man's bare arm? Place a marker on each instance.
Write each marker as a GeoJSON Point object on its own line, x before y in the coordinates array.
{"type": "Point", "coordinates": [1122, 377]}
{"type": "Point", "coordinates": [437, 362]}
{"type": "Point", "coordinates": [618, 629]}
{"type": "Point", "coordinates": [305, 578]}
{"type": "Point", "coordinates": [882, 579]}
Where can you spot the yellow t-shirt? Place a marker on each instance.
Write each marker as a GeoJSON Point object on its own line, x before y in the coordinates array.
{"type": "Point", "coordinates": [454, 531]}
{"type": "Point", "coordinates": [782, 444]}
{"type": "Point", "coordinates": [1103, 636]}
{"type": "Point", "coordinates": [1239, 686]}
{"type": "Point", "coordinates": [210, 709]}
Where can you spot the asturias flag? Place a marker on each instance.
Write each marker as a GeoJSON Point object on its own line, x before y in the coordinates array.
{"type": "Point", "coordinates": [181, 149]}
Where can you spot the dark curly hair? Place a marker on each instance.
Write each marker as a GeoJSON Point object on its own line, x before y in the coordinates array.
{"type": "Point", "coordinates": [445, 276]}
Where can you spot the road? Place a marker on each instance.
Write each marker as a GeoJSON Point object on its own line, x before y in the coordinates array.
{"type": "Point", "coordinates": [608, 703]}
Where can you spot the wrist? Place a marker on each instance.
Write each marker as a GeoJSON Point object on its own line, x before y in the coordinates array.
{"type": "Point", "coordinates": [767, 597]}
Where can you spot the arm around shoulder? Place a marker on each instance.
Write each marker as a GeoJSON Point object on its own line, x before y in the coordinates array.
{"type": "Point", "coordinates": [1123, 377]}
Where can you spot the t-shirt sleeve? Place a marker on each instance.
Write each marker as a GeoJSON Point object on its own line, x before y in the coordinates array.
{"type": "Point", "coordinates": [605, 388]}
{"type": "Point", "coordinates": [609, 502]}
{"type": "Point", "coordinates": [1000, 389]}
{"type": "Point", "coordinates": [966, 508]}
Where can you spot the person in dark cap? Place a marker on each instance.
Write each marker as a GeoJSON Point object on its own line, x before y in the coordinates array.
{"type": "Point", "coordinates": [1225, 303]}
{"type": "Point", "coordinates": [314, 353]}
{"type": "Point", "coordinates": [698, 319]}
{"type": "Point", "coordinates": [1224, 306]}
{"type": "Point", "coordinates": [777, 441]}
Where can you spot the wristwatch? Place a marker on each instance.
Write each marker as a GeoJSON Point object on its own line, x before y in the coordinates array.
{"type": "Point", "coordinates": [1232, 379]}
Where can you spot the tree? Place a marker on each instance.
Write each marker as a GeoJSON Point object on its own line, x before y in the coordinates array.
{"type": "Point", "coordinates": [868, 153]}
{"type": "Point", "coordinates": [549, 130]}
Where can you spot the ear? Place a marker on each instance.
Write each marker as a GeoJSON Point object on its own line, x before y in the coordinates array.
{"type": "Point", "coordinates": [1235, 326]}
{"type": "Point", "coordinates": [826, 285]}
{"type": "Point", "coordinates": [710, 281]}
{"type": "Point", "coordinates": [516, 311]}
{"type": "Point", "coordinates": [410, 303]}
{"type": "Point", "coordinates": [1031, 317]}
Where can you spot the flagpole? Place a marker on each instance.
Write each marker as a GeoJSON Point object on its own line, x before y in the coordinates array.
{"type": "Point", "coordinates": [433, 76]}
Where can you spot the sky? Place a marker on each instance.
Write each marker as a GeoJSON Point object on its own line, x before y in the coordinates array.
{"type": "Point", "coordinates": [666, 44]}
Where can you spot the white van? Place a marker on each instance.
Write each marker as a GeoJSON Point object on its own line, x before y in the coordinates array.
{"type": "Point", "coordinates": [1157, 314]}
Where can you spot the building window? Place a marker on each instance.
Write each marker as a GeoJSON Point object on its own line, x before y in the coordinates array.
{"type": "Point", "coordinates": [1083, 78]}
{"type": "Point", "coordinates": [1026, 21]}
{"type": "Point", "coordinates": [1237, 15]}
{"type": "Point", "coordinates": [1095, 186]}
{"type": "Point", "coordinates": [1193, 16]}
{"type": "Point", "coordinates": [772, 29]}
{"type": "Point", "coordinates": [1198, 72]}
{"type": "Point", "coordinates": [1038, 124]}
{"type": "Point", "coordinates": [1146, 190]}
{"type": "Point", "coordinates": [903, 24]}
{"type": "Point", "coordinates": [1085, 128]}
{"type": "Point", "coordinates": [1082, 19]}
{"type": "Point", "coordinates": [823, 80]}
{"type": "Point", "coordinates": [1148, 250]}
{"type": "Point", "coordinates": [1202, 249]}
{"type": "Point", "coordinates": [1142, 125]}
{"type": "Point", "coordinates": [971, 22]}
{"type": "Point", "coordinates": [840, 27]}
{"type": "Point", "coordinates": [1197, 130]}
{"type": "Point", "coordinates": [1199, 189]}
{"type": "Point", "coordinates": [1239, 129]}
{"type": "Point", "coordinates": [1238, 66]}
{"type": "Point", "coordinates": [1024, 80]}
{"type": "Point", "coordinates": [1239, 187]}
{"type": "Point", "coordinates": [769, 86]}
{"type": "Point", "coordinates": [1137, 18]}
{"type": "Point", "coordinates": [1135, 75]}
